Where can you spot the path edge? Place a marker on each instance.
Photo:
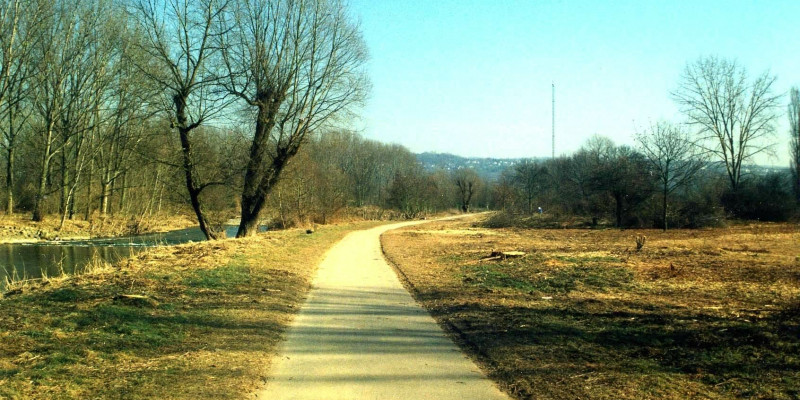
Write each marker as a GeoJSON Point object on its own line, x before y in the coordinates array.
{"type": "Point", "coordinates": [484, 362]}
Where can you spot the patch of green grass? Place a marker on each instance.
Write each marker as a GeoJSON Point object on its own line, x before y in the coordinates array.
{"type": "Point", "coordinates": [119, 326]}
{"type": "Point", "coordinates": [9, 372]}
{"type": "Point", "coordinates": [559, 281]}
{"type": "Point", "coordinates": [489, 276]}
{"type": "Point", "coordinates": [228, 276]}
{"type": "Point", "coordinates": [580, 259]}
{"type": "Point", "coordinates": [64, 295]}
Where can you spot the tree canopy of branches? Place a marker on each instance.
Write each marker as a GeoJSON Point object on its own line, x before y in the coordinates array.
{"type": "Point", "coordinates": [180, 42]}
{"type": "Point", "coordinates": [19, 34]}
{"type": "Point", "coordinates": [733, 116]}
{"type": "Point", "coordinates": [620, 173]}
{"type": "Point", "coordinates": [78, 41]}
{"type": "Point", "coordinates": [467, 182]}
{"type": "Point", "coordinates": [297, 64]}
{"type": "Point", "coordinates": [794, 141]}
{"type": "Point", "coordinates": [672, 156]}
{"type": "Point", "coordinates": [528, 178]}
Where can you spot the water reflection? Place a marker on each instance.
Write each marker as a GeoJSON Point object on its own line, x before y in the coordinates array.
{"type": "Point", "coordinates": [32, 260]}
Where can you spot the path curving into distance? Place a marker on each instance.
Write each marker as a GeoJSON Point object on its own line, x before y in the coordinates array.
{"type": "Point", "coordinates": [360, 335]}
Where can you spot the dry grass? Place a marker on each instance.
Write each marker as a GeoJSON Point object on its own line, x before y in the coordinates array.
{"type": "Point", "coordinates": [693, 314]}
{"type": "Point", "coordinates": [20, 228]}
{"type": "Point", "coordinates": [207, 321]}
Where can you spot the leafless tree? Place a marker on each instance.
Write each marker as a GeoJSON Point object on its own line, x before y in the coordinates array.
{"type": "Point", "coordinates": [120, 128]}
{"type": "Point", "coordinates": [19, 21]}
{"type": "Point", "coordinates": [467, 181]}
{"type": "Point", "coordinates": [180, 38]}
{"type": "Point", "coordinates": [528, 177]}
{"type": "Point", "coordinates": [618, 176]}
{"type": "Point", "coordinates": [19, 33]}
{"type": "Point", "coordinates": [90, 93]}
{"type": "Point", "coordinates": [794, 143]}
{"type": "Point", "coordinates": [734, 116]}
{"type": "Point", "coordinates": [672, 156]}
{"type": "Point", "coordinates": [59, 55]}
{"type": "Point", "coordinates": [297, 64]}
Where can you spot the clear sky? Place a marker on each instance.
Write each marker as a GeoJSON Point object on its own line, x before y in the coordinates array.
{"type": "Point", "coordinates": [473, 77]}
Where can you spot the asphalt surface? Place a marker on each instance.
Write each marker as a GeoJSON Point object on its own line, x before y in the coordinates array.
{"type": "Point", "coordinates": [360, 335]}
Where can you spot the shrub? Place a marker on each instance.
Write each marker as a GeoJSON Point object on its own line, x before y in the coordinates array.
{"type": "Point", "coordinates": [767, 199]}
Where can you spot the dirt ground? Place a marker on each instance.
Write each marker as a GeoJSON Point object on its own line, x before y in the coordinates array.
{"type": "Point", "coordinates": [711, 313]}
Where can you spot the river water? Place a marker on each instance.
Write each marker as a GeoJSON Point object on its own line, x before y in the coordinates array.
{"type": "Point", "coordinates": [33, 260]}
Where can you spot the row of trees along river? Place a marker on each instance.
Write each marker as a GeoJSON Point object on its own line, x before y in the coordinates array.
{"type": "Point", "coordinates": [140, 106]}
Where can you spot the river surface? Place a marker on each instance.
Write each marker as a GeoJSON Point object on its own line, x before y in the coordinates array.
{"type": "Point", "coordinates": [34, 260]}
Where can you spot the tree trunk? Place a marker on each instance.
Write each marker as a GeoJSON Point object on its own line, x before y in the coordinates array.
{"type": "Point", "coordinates": [260, 178]}
{"type": "Point", "coordinates": [530, 203]}
{"type": "Point", "coordinates": [62, 205]}
{"type": "Point", "coordinates": [112, 188]}
{"type": "Point", "coordinates": [70, 212]}
{"type": "Point", "coordinates": [10, 180]}
{"type": "Point", "coordinates": [105, 192]}
{"type": "Point", "coordinates": [38, 200]}
{"type": "Point", "coordinates": [151, 204]}
{"type": "Point", "coordinates": [71, 204]}
{"type": "Point", "coordinates": [88, 211]}
{"type": "Point", "coordinates": [122, 192]}
{"type": "Point", "coordinates": [160, 198]}
{"type": "Point", "coordinates": [281, 210]}
{"type": "Point", "coordinates": [63, 220]}
{"type": "Point", "coordinates": [618, 208]}
{"type": "Point", "coordinates": [194, 192]}
{"type": "Point", "coordinates": [664, 206]}
{"type": "Point", "coordinates": [192, 187]}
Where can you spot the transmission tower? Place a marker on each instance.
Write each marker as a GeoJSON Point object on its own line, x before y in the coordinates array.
{"type": "Point", "coordinates": [553, 154]}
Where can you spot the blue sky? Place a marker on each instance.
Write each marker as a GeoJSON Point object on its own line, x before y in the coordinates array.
{"type": "Point", "coordinates": [473, 77]}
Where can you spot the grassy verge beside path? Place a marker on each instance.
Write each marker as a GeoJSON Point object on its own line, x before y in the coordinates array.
{"type": "Point", "coordinates": [208, 320]}
{"type": "Point", "coordinates": [712, 314]}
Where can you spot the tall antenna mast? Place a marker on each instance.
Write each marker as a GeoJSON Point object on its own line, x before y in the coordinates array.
{"type": "Point", "coordinates": [553, 155]}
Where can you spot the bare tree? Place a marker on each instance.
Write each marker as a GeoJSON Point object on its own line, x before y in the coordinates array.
{"type": "Point", "coordinates": [672, 156]}
{"type": "Point", "coordinates": [467, 181]}
{"type": "Point", "coordinates": [58, 55]}
{"type": "Point", "coordinates": [794, 130]}
{"type": "Point", "coordinates": [733, 116]}
{"type": "Point", "coordinates": [89, 88]}
{"type": "Point", "coordinates": [19, 32]}
{"type": "Point", "coordinates": [618, 176]}
{"type": "Point", "coordinates": [503, 190]}
{"type": "Point", "coordinates": [528, 177]}
{"type": "Point", "coordinates": [412, 192]}
{"type": "Point", "coordinates": [297, 64]}
{"type": "Point", "coordinates": [19, 21]}
{"type": "Point", "coordinates": [180, 40]}
{"type": "Point", "coordinates": [126, 106]}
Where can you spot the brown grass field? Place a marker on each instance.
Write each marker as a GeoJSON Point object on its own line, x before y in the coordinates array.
{"type": "Point", "coordinates": [206, 328]}
{"type": "Point", "coordinates": [706, 314]}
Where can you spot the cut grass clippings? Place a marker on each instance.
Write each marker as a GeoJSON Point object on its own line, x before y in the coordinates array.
{"type": "Point", "coordinates": [199, 320]}
{"type": "Point", "coordinates": [711, 313]}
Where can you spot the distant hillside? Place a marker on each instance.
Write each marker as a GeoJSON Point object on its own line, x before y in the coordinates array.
{"type": "Point", "coordinates": [491, 168]}
{"type": "Point", "coordinates": [487, 168]}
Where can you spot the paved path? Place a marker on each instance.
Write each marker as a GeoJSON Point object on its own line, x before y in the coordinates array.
{"type": "Point", "coordinates": [360, 335]}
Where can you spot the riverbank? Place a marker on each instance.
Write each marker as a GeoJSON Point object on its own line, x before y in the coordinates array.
{"type": "Point", "coordinates": [19, 228]}
{"type": "Point", "coordinates": [199, 320]}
